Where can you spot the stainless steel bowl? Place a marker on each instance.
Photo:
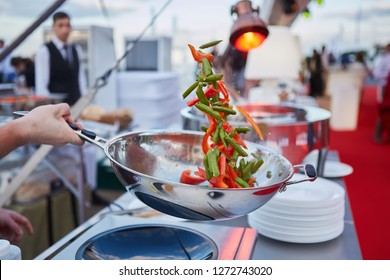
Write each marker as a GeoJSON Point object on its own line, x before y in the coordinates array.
{"type": "Point", "coordinates": [291, 130]}
{"type": "Point", "coordinates": [149, 165]}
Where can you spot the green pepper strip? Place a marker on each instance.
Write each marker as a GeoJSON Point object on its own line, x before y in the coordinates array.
{"type": "Point", "coordinates": [209, 173]}
{"type": "Point", "coordinates": [243, 129]}
{"type": "Point", "coordinates": [210, 78]}
{"type": "Point", "coordinates": [201, 96]}
{"type": "Point", "coordinates": [213, 162]}
{"type": "Point", "coordinates": [241, 182]}
{"type": "Point", "coordinates": [210, 44]}
{"type": "Point", "coordinates": [206, 67]}
{"type": "Point", "coordinates": [224, 110]}
{"type": "Point", "coordinates": [190, 89]}
{"type": "Point", "coordinates": [257, 166]}
{"type": "Point", "coordinates": [208, 110]}
{"type": "Point", "coordinates": [237, 147]}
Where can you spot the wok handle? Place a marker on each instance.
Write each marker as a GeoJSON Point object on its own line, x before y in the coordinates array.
{"type": "Point", "coordinates": [89, 136]}
{"type": "Point", "coordinates": [310, 172]}
{"type": "Point", "coordinates": [85, 134]}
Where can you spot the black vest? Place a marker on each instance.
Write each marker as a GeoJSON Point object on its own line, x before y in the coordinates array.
{"type": "Point", "coordinates": [64, 79]}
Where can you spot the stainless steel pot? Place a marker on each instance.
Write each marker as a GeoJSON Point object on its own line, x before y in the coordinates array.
{"type": "Point", "coordinates": [149, 165]}
{"type": "Point", "coordinates": [291, 130]}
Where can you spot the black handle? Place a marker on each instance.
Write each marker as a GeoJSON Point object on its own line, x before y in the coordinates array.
{"type": "Point", "coordinates": [310, 171]}
{"type": "Point", "coordinates": [88, 133]}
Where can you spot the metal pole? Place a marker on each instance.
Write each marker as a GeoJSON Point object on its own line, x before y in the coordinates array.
{"type": "Point", "coordinates": [31, 29]}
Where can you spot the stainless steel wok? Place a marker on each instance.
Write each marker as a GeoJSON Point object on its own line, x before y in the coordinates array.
{"type": "Point", "coordinates": [149, 165]}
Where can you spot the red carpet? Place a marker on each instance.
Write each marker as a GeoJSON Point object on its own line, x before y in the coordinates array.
{"type": "Point", "coordinates": [368, 187]}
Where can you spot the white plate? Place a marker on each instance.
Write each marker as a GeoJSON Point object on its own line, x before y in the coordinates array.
{"type": "Point", "coordinates": [335, 169]}
{"type": "Point", "coordinates": [318, 194]}
{"type": "Point", "coordinates": [288, 237]}
{"type": "Point", "coordinates": [332, 169]}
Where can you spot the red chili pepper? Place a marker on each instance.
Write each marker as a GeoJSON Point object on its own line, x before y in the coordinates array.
{"type": "Point", "coordinates": [198, 56]}
{"type": "Point", "coordinates": [186, 178]}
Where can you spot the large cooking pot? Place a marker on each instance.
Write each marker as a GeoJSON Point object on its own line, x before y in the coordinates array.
{"type": "Point", "coordinates": [290, 130]}
{"type": "Point", "coordinates": [149, 165]}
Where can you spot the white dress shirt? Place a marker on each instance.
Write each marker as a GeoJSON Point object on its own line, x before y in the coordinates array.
{"type": "Point", "coordinates": [382, 70]}
{"type": "Point", "coordinates": [42, 68]}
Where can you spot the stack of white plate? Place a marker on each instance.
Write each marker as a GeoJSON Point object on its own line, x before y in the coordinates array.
{"type": "Point", "coordinates": [308, 212]}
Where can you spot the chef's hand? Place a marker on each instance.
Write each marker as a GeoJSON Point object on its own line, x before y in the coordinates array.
{"type": "Point", "coordinates": [48, 125]}
{"type": "Point", "coordinates": [12, 224]}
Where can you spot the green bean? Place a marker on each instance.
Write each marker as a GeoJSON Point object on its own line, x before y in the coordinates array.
{"type": "Point", "coordinates": [208, 110]}
{"type": "Point", "coordinates": [201, 96]}
{"type": "Point", "coordinates": [241, 165]}
{"type": "Point", "coordinates": [210, 78]}
{"type": "Point", "coordinates": [215, 85]}
{"type": "Point", "coordinates": [233, 159]}
{"type": "Point", "coordinates": [257, 166]}
{"type": "Point", "coordinates": [190, 89]}
{"type": "Point", "coordinates": [216, 136]}
{"type": "Point", "coordinates": [204, 128]}
{"type": "Point", "coordinates": [246, 172]}
{"type": "Point", "coordinates": [213, 162]}
{"type": "Point", "coordinates": [224, 110]}
{"type": "Point", "coordinates": [222, 135]}
{"type": "Point", "coordinates": [210, 44]}
{"type": "Point", "coordinates": [243, 129]}
{"type": "Point", "coordinates": [237, 147]}
{"type": "Point", "coordinates": [233, 133]}
{"type": "Point", "coordinates": [241, 182]}
{"type": "Point", "coordinates": [206, 67]}
{"type": "Point", "coordinates": [209, 173]}
{"type": "Point", "coordinates": [214, 98]}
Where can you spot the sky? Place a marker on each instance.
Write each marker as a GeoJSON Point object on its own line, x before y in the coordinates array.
{"type": "Point", "coordinates": [339, 24]}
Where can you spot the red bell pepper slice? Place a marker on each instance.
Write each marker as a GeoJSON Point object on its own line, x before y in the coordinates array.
{"type": "Point", "coordinates": [223, 89]}
{"type": "Point", "coordinates": [210, 92]}
{"type": "Point", "coordinates": [186, 178]}
{"type": "Point", "coordinates": [251, 121]}
{"type": "Point", "coordinates": [201, 173]}
{"type": "Point", "coordinates": [198, 56]}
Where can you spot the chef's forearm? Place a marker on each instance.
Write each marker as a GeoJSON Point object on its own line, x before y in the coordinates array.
{"type": "Point", "coordinates": [12, 136]}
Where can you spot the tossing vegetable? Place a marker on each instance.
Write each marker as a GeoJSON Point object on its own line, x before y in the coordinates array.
{"type": "Point", "coordinates": [225, 151]}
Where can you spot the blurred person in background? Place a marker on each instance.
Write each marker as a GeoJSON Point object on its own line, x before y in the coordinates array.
{"type": "Point", "coordinates": [381, 73]}
{"type": "Point", "coordinates": [58, 64]}
{"type": "Point", "coordinates": [43, 125]}
{"type": "Point", "coordinates": [7, 74]}
{"type": "Point", "coordinates": [58, 70]}
{"type": "Point", "coordinates": [25, 73]}
{"type": "Point", "coordinates": [316, 75]}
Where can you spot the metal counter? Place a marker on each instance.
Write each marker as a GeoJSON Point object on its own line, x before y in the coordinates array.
{"type": "Point", "coordinates": [344, 247]}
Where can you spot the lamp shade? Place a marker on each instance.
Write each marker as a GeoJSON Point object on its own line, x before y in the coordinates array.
{"type": "Point", "coordinates": [278, 58]}
{"type": "Point", "coordinates": [248, 31]}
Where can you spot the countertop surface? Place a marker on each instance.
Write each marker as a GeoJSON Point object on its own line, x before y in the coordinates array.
{"type": "Point", "coordinates": [344, 247]}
